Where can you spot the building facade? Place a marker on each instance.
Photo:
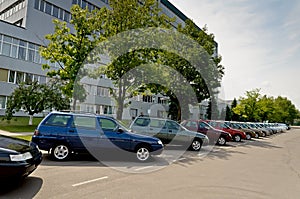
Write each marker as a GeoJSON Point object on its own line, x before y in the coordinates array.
{"type": "Point", "coordinates": [23, 26]}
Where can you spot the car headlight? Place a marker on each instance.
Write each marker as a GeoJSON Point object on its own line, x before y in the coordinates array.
{"type": "Point", "coordinates": [20, 157]}
{"type": "Point", "coordinates": [160, 142]}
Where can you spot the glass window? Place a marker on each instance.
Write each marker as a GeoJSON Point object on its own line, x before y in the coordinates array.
{"type": "Point", "coordinates": [14, 51]}
{"type": "Point", "coordinates": [66, 17]}
{"type": "Point", "coordinates": [36, 4]}
{"type": "Point", "coordinates": [22, 53]}
{"type": "Point", "coordinates": [2, 102]}
{"type": "Point", "coordinates": [42, 6]}
{"type": "Point", "coordinates": [142, 121]}
{"type": "Point", "coordinates": [7, 39]}
{"type": "Point", "coordinates": [3, 75]}
{"type": "Point", "coordinates": [30, 56]}
{"type": "Point", "coordinates": [85, 122]}
{"type": "Point", "coordinates": [28, 78]}
{"type": "Point", "coordinates": [74, 1]}
{"type": "Point", "coordinates": [37, 58]}
{"type": "Point", "coordinates": [20, 77]}
{"type": "Point", "coordinates": [48, 8]}
{"type": "Point", "coordinates": [107, 124]}
{"type": "Point", "coordinates": [6, 49]}
{"type": "Point", "coordinates": [61, 14]}
{"type": "Point", "coordinates": [35, 78]}
{"type": "Point", "coordinates": [172, 125]}
{"type": "Point", "coordinates": [12, 76]}
{"type": "Point", "coordinates": [55, 11]}
{"type": "Point", "coordinates": [58, 120]}
{"type": "Point", "coordinates": [42, 80]}
{"type": "Point", "coordinates": [83, 5]}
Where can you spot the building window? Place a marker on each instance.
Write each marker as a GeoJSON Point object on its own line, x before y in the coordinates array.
{"type": "Point", "coordinates": [147, 98]}
{"type": "Point", "coordinates": [22, 50]}
{"type": "Point", "coordinates": [19, 78]}
{"type": "Point", "coordinates": [3, 75]}
{"type": "Point", "coordinates": [2, 102]}
{"type": "Point", "coordinates": [48, 8]}
{"type": "Point", "coordinates": [12, 75]}
{"type": "Point", "coordinates": [28, 78]}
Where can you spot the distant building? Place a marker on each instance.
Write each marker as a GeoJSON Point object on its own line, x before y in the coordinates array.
{"type": "Point", "coordinates": [23, 26]}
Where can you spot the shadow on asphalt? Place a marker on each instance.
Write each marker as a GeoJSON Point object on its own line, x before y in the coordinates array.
{"type": "Point", "coordinates": [26, 188]}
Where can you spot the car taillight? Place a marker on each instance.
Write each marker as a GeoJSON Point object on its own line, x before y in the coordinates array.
{"type": "Point", "coordinates": [36, 132]}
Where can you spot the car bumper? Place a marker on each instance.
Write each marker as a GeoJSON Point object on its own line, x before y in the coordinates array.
{"type": "Point", "coordinates": [13, 170]}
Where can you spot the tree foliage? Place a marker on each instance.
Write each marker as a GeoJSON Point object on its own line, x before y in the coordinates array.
{"type": "Point", "coordinates": [70, 47]}
{"type": "Point", "coordinates": [255, 107]}
{"type": "Point", "coordinates": [35, 98]}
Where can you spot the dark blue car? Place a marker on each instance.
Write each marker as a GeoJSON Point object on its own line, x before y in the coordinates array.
{"type": "Point", "coordinates": [64, 133]}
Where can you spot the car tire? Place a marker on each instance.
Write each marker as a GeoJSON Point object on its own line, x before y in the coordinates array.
{"type": "Point", "coordinates": [196, 145]}
{"type": "Point", "coordinates": [264, 134]}
{"type": "Point", "coordinates": [248, 136]}
{"type": "Point", "coordinates": [256, 135]}
{"type": "Point", "coordinates": [142, 153]}
{"type": "Point", "coordinates": [60, 152]}
{"type": "Point", "coordinates": [221, 141]}
{"type": "Point", "coordinates": [237, 138]}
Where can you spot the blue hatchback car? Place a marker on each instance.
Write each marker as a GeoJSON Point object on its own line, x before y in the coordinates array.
{"type": "Point", "coordinates": [63, 133]}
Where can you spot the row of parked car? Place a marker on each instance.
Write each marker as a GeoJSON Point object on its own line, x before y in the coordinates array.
{"type": "Point", "coordinates": [63, 134]}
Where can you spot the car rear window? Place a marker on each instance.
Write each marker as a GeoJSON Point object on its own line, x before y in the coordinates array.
{"type": "Point", "coordinates": [142, 121]}
{"type": "Point", "coordinates": [58, 120]}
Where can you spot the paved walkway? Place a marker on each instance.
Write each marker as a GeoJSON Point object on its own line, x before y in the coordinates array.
{"type": "Point", "coordinates": [15, 134]}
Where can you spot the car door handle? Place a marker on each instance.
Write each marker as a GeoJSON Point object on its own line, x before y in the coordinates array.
{"type": "Point", "coordinates": [72, 131]}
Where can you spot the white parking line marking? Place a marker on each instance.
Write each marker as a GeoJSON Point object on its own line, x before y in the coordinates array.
{"type": "Point", "coordinates": [142, 168]}
{"type": "Point", "coordinates": [181, 159]}
{"type": "Point", "coordinates": [89, 181]}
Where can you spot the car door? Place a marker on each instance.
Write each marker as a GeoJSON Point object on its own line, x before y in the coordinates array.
{"type": "Point", "coordinates": [84, 133]}
{"type": "Point", "coordinates": [112, 137]}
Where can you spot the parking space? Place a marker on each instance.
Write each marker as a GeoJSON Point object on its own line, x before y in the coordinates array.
{"type": "Point", "coordinates": [244, 169]}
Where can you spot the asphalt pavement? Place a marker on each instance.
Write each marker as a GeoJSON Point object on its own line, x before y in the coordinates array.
{"type": "Point", "coordinates": [262, 168]}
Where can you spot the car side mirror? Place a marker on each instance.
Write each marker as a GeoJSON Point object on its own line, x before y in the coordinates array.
{"type": "Point", "coordinates": [120, 130]}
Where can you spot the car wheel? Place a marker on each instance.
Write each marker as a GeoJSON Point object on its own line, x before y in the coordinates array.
{"type": "Point", "coordinates": [237, 138]}
{"type": "Point", "coordinates": [248, 136]}
{"type": "Point", "coordinates": [60, 152]}
{"type": "Point", "coordinates": [264, 134]}
{"type": "Point", "coordinates": [196, 145]}
{"type": "Point", "coordinates": [256, 135]}
{"type": "Point", "coordinates": [221, 141]}
{"type": "Point", "coordinates": [142, 153]}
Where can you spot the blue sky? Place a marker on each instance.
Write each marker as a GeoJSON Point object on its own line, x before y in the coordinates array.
{"type": "Point", "coordinates": [258, 40]}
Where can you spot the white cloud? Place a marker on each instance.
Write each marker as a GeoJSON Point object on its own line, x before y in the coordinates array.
{"type": "Point", "coordinates": [258, 40]}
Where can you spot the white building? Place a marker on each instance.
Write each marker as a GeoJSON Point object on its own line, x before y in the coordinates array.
{"type": "Point", "coordinates": [23, 25]}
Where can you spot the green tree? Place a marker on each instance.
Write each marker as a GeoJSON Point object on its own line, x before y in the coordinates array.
{"type": "Point", "coordinates": [70, 47]}
{"type": "Point", "coordinates": [35, 98]}
{"type": "Point", "coordinates": [249, 107]}
{"type": "Point", "coordinates": [124, 16]}
{"type": "Point", "coordinates": [228, 115]}
{"type": "Point", "coordinates": [285, 111]}
{"type": "Point", "coordinates": [266, 111]}
{"type": "Point", "coordinates": [209, 66]}
{"type": "Point", "coordinates": [234, 116]}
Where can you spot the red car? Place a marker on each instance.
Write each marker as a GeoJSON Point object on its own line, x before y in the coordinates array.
{"type": "Point", "coordinates": [237, 135]}
{"type": "Point", "coordinates": [215, 136]}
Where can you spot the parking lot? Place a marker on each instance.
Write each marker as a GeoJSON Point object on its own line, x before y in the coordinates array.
{"type": "Point", "coordinates": [260, 168]}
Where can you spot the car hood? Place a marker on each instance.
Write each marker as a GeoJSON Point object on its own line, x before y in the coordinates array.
{"type": "Point", "coordinates": [14, 145]}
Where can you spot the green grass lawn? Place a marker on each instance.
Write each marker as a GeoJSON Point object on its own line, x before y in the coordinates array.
{"type": "Point", "coordinates": [24, 137]}
{"type": "Point", "coordinates": [19, 124]}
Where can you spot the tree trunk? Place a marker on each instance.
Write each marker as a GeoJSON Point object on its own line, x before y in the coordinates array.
{"type": "Point", "coordinates": [74, 104]}
{"type": "Point", "coordinates": [30, 119]}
